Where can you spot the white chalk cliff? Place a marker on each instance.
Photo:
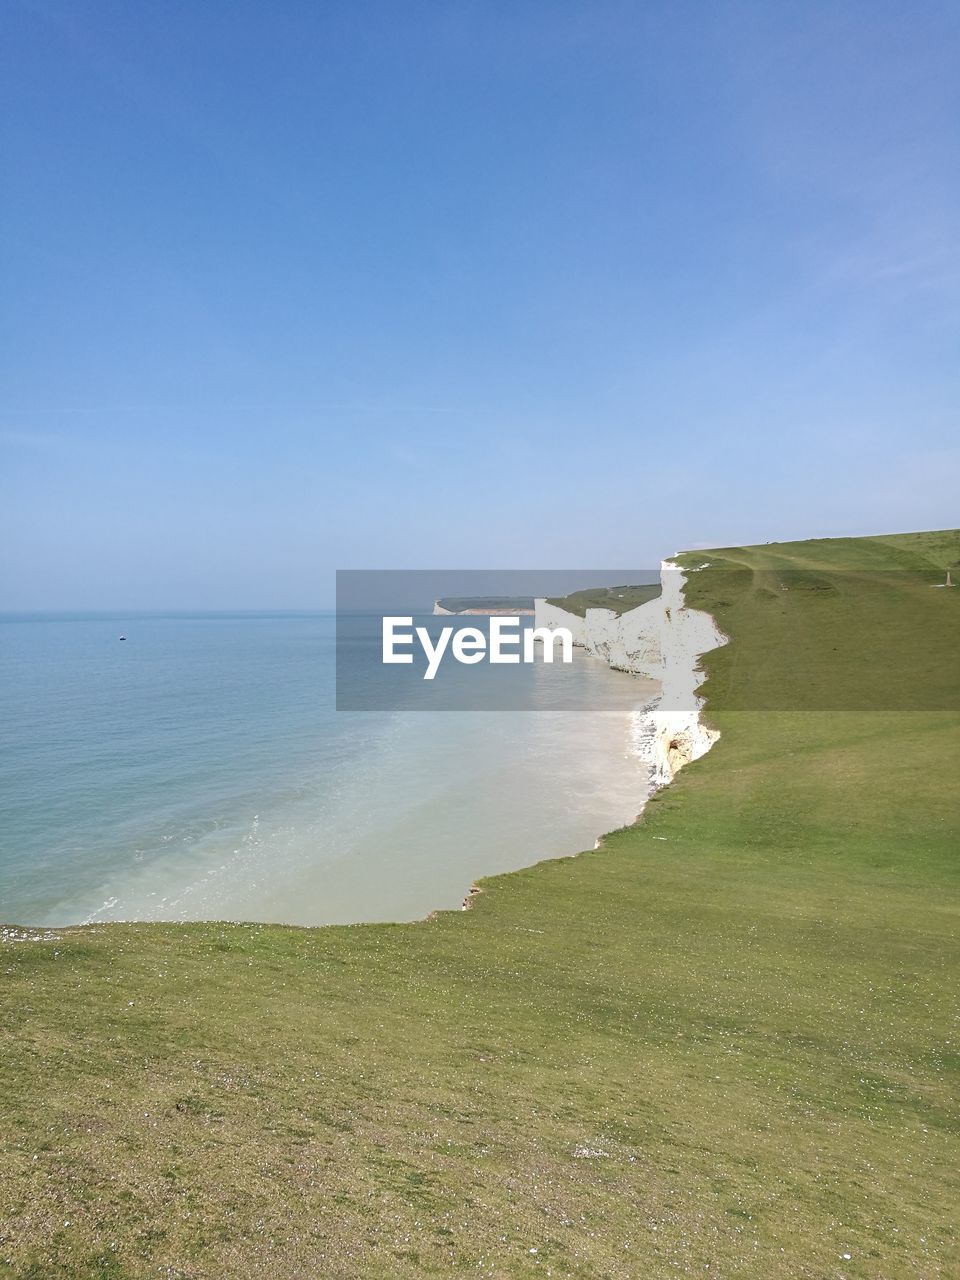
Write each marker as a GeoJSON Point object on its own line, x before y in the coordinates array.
{"type": "Point", "coordinates": [662, 639]}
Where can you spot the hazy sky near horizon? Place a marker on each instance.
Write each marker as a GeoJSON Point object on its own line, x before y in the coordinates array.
{"type": "Point", "coordinates": [290, 287]}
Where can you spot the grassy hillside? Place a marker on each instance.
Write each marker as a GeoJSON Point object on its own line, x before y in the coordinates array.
{"type": "Point", "coordinates": [617, 599]}
{"type": "Point", "coordinates": [458, 604]}
{"type": "Point", "coordinates": [723, 1044]}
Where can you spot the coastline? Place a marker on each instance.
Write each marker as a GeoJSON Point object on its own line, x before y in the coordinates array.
{"type": "Point", "coordinates": [745, 990]}
{"type": "Point", "coordinates": [670, 732]}
{"type": "Point", "coordinates": [663, 639]}
{"type": "Point", "coordinates": [652, 721]}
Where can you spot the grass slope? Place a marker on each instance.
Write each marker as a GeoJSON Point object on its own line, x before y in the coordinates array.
{"type": "Point", "coordinates": [616, 599]}
{"type": "Point", "coordinates": [458, 604]}
{"type": "Point", "coordinates": [720, 1045]}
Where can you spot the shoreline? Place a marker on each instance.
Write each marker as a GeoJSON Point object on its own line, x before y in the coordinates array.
{"type": "Point", "coordinates": [670, 732]}
{"type": "Point", "coordinates": [661, 734]}
{"type": "Point", "coordinates": [599, 1041]}
{"type": "Point", "coordinates": [663, 639]}
{"type": "Point", "coordinates": [666, 732]}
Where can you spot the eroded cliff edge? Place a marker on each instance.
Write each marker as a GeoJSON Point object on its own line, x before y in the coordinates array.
{"type": "Point", "coordinates": [662, 639]}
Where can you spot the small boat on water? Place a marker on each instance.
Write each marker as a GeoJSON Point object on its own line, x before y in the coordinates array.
{"type": "Point", "coordinates": [122, 637]}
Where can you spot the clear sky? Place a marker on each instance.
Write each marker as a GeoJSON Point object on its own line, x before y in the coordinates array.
{"type": "Point", "coordinates": [294, 286]}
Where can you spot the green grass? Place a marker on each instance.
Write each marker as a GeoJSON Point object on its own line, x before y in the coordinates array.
{"type": "Point", "coordinates": [746, 1003]}
{"type": "Point", "coordinates": [616, 599]}
{"type": "Point", "coordinates": [457, 604]}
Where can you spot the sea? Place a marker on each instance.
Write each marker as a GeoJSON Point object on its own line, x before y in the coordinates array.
{"type": "Point", "coordinates": [200, 770]}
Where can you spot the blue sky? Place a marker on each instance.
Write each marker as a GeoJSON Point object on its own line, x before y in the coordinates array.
{"type": "Point", "coordinates": [301, 286]}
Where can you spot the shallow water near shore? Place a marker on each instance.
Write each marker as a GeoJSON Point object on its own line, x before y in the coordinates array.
{"type": "Point", "coordinates": [199, 770]}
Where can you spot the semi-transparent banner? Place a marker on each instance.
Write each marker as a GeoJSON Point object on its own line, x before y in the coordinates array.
{"type": "Point", "coordinates": [483, 640]}
{"type": "Point", "coordinates": [564, 640]}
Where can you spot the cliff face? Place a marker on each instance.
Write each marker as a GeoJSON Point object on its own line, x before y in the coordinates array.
{"type": "Point", "coordinates": [662, 639]}
{"type": "Point", "coordinates": [551, 615]}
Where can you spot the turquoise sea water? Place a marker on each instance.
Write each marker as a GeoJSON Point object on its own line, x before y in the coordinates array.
{"type": "Point", "coordinates": [199, 770]}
